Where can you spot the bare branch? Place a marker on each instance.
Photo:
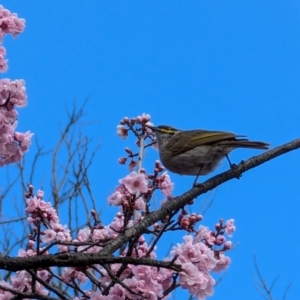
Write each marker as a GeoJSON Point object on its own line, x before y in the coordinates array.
{"type": "Point", "coordinates": [263, 287]}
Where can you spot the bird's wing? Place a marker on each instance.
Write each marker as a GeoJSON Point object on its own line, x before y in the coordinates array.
{"type": "Point", "coordinates": [181, 141]}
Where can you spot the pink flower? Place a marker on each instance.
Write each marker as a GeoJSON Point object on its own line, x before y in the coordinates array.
{"type": "Point", "coordinates": [222, 263]}
{"type": "Point", "coordinates": [99, 296]}
{"type": "Point", "coordinates": [135, 183]}
{"type": "Point", "coordinates": [3, 62]}
{"type": "Point", "coordinates": [44, 274]}
{"type": "Point", "coordinates": [144, 118]}
{"type": "Point", "coordinates": [49, 236]}
{"type": "Point", "coordinates": [84, 234]}
{"type": "Point", "coordinates": [133, 163]}
{"type": "Point", "coordinates": [24, 139]}
{"type": "Point", "coordinates": [204, 233]}
{"type": "Point", "coordinates": [10, 149]}
{"type": "Point", "coordinates": [40, 194]}
{"type": "Point", "coordinates": [99, 234]}
{"type": "Point", "coordinates": [69, 274]}
{"type": "Point", "coordinates": [117, 292]}
{"type": "Point", "coordinates": [220, 240]}
{"type": "Point", "coordinates": [227, 245]}
{"type": "Point", "coordinates": [205, 289]}
{"type": "Point", "coordinates": [32, 204]}
{"type": "Point", "coordinates": [229, 227]}
{"type": "Point", "coordinates": [122, 131]}
{"type": "Point", "coordinates": [52, 215]}
{"type": "Point", "coordinates": [4, 295]}
{"type": "Point", "coordinates": [115, 199]}
{"type": "Point", "coordinates": [10, 23]}
{"type": "Point", "coordinates": [140, 204]}
{"type": "Point", "coordinates": [28, 253]}
{"type": "Point", "coordinates": [166, 185]}
{"type": "Point", "coordinates": [189, 275]}
{"type": "Point", "coordinates": [122, 160]}
{"type": "Point", "coordinates": [117, 225]}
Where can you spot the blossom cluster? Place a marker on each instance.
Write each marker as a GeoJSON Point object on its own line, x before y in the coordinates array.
{"type": "Point", "coordinates": [199, 257]}
{"type": "Point", "coordinates": [201, 253]}
{"type": "Point", "coordinates": [127, 124]}
{"type": "Point", "coordinates": [9, 24]}
{"type": "Point", "coordinates": [13, 144]}
{"type": "Point", "coordinates": [136, 189]}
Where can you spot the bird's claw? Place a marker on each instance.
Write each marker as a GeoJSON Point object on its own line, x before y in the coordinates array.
{"type": "Point", "coordinates": [233, 166]}
{"type": "Point", "coordinates": [198, 185]}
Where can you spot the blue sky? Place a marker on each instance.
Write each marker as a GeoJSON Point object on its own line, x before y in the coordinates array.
{"type": "Point", "coordinates": [224, 65]}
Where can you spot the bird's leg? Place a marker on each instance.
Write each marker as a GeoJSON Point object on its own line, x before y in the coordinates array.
{"type": "Point", "coordinates": [232, 166]}
{"type": "Point", "coordinates": [195, 181]}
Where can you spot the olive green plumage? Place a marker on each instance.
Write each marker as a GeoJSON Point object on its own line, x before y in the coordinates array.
{"type": "Point", "coordinates": [197, 152]}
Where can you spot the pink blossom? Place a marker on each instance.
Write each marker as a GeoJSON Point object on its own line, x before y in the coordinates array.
{"type": "Point", "coordinates": [32, 204]}
{"type": "Point", "coordinates": [227, 245]}
{"type": "Point", "coordinates": [135, 183]}
{"type": "Point", "coordinates": [44, 274]}
{"type": "Point", "coordinates": [229, 227]}
{"type": "Point", "coordinates": [27, 253]}
{"type": "Point", "coordinates": [222, 263]}
{"type": "Point", "coordinates": [122, 160]}
{"type": "Point", "coordinates": [99, 296]}
{"type": "Point", "coordinates": [166, 185]}
{"type": "Point", "coordinates": [203, 293]}
{"type": "Point", "coordinates": [14, 91]}
{"type": "Point", "coordinates": [4, 295]}
{"type": "Point", "coordinates": [30, 220]}
{"type": "Point", "coordinates": [22, 281]}
{"type": "Point", "coordinates": [117, 224]}
{"type": "Point", "coordinates": [99, 234]}
{"type": "Point", "coordinates": [40, 194]}
{"type": "Point", "coordinates": [204, 233]}
{"type": "Point", "coordinates": [220, 240]}
{"type": "Point", "coordinates": [69, 274]}
{"type": "Point", "coordinates": [133, 163]}
{"type": "Point", "coordinates": [189, 275]}
{"type": "Point", "coordinates": [84, 234]}
{"type": "Point", "coordinates": [140, 204]}
{"type": "Point", "coordinates": [49, 236]}
{"type": "Point", "coordinates": [12, 145]}
{"type": "Point", "coordinates": [3, 61]}
{"type": "Point", "coordinates": [115, 199]}
{"type": "Point", "coordinates": [144, 118]}
{"type": "Point", "coordinates": [10, 149]}
{"type": "Point", "coordinates": [10, 23]}
{"type": "Point", "coordinates": [117, 292]}
{"type": "Point", "coordinates": [122, 131]}
{"type": "Point", "coordinates": [24, 139]}
{"type": "Point", "coordinates": [52, 215]}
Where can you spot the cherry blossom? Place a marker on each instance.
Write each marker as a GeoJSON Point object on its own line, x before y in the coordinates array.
{"type": "Point", "coordinates": [165, 184]}
{"type": "Point", "coordinates": [135, 183]}
{"type": "Point", "coordinates": [122, 131]}
{"type": "Point", "coordinates": [229, 227]}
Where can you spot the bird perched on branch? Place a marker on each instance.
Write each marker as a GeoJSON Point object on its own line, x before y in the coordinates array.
{"type": "Point", "coordinates": [197, 152]}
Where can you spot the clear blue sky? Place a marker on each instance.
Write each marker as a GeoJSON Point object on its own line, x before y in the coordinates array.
{"type": "Point", "coordinates": [224, 65]}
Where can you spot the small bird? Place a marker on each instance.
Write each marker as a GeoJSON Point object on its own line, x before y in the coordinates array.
{"type": "Point", "coordinates": [197, 152]}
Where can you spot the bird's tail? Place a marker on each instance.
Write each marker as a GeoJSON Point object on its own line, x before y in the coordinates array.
{"type": "Point", "coordinates": [244, 143]}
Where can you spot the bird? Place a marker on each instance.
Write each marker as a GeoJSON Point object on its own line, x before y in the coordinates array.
{"type": "Point", "coordinates": [197, 152]}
